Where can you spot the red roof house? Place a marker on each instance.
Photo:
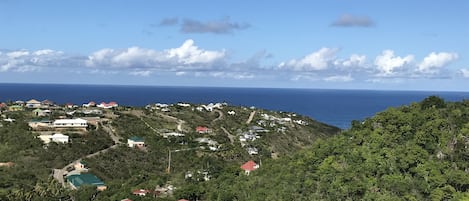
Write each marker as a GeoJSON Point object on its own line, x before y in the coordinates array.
{"type": "Point", "coordinates": [140, 192]}
{"type": "Point", "coordinates": [202, 129]}
{"type": "Point", "coordinates": [249, 166]}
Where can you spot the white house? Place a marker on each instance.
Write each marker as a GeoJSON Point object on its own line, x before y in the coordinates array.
{"type": "Point", "coordinates": [33, 104]}
{"type": "Point", "coordinates": [58, 137]}
{"type": "Point", "coordinates": [172, 134]}
{"type": "Point", "coordinates": [70, 123]}
{"type": "Point", "coordinates": [135, 141]}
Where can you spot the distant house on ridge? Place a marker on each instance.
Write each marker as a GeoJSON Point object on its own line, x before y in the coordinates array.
{"type": "Point", "coordinates": [135, 141]}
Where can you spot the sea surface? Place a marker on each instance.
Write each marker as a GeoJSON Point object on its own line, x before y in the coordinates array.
{"type": "Point", "coordinates": [335, 107]}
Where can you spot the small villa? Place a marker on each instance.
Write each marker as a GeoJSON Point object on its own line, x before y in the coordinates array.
{"type": "Point", "coordinates": [39, 123]}
{"type": "Point", "coordinates": [70, 123]}
{"type": "Point", "coordinates": [78, 180]}
{"type": "Point", "coordinates": [14, 108]}
{"type": "Point", "coordinates": [135, 141]}
{"type": "Point", "coordinates": [90, 104]}
{"type": "Point", "coordinates": [140, 192]}
{"type": "Point", "coordinates": [202, 129]}
{"type": "Point", "coordinates": [249, 167]}
{"type": "Point", "coordinates": [107, 105]}
{"type": "Point", "coordinates": [57, 137]}
{"type": "Point", "coordinates": [33, 104]}
{"type": "Point", "coordinates": [41, 113]}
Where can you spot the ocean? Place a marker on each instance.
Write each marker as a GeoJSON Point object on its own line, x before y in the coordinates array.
{"type": "Point", "coordinates": [335, 107]}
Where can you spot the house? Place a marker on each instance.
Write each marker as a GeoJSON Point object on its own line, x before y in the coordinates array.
{"type": "Point", "coordinates": [107, 105]}
{"type": "Point", "coordinates": [14, 108]}
{"type": "Point", "coordinates": [33, 104]}
{"type": "Point", "coordinates": [90, 104]}
{"type": "Point", "coordinates": [3, 106]}
{"type": "Point", "coordinates": [231, 112]}
{"type": "Point", "coordinates": [183, 200]}
{"type": "Point", "coordinates": [249, 166]}
{"type": "Point", "coordinates": [70, 123]}
{"type": "Point", "coordinates": [57, 137]}
{"type": "Point", "coordinates": [41, 113]}
{"type": "Point", "coordinates": [70, 105]}
{"type": "Point", "coordinates": [135, 141]}
{"type": "Point", "coordinates": [202, 129]}
{"type": "Point", "coordinates": [47, 103]}
{"type": "Point", "coordinates": [80, 165]}
{"type": "Point", "coordinates": [39, 123]}
{"type": "Point", "coordinates": [126, 199]}
{"type": "Point", "coordinates": [9, 120]}
{"type": "Point", "coordinates": [140, 192]}
{"type": "Point", "coordinates": [252, 151]}
{"type": "Point", "coordinates": [78, 180]}
{"type": "Point", "coordinates": [184, 104]}
{"type": "Point", "coordinates": [258, 129]}
{"type": "Point", "coordinates": [172, 134]}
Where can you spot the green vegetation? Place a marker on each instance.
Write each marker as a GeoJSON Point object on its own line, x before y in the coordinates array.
{"type": "Point", "coordinates": [414, 152]}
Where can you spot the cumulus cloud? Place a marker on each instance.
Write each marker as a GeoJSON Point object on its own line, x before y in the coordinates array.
{"type": "Point", "coordinates": [387, 64]}
{"type": "Point", "coordinates": [233, 75]}
{"type": "Point", "coordinates": [223, 26]}
{"type": "Point", "coordinates": [187, 56]}
{"type": "Point", "coordinates": [347, 20]}
{"type": "Point", "coordinates": [169, 21]}
{"type": "Point", "coordinates": [25, 60]}
{"type": "Point", "coordinates": [315, 61]}
{"type": "Point", "coordinates": [435, 61]}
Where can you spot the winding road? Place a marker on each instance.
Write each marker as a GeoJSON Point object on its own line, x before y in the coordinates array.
{"type": "Point", "coordinates": [60, 173]}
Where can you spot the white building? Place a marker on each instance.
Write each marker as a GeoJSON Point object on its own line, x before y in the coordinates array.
{"type": "Point", "coordinates": [70, 123]}
{"type": "Point", "coordinates": [58, 137]}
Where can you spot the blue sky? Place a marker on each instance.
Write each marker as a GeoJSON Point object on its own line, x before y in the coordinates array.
{"type": "Point", "coordinates": [339, 44]}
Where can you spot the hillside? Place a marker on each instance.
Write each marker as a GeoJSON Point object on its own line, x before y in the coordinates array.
{"type": "Point", "coordinates": [206, 143]}
{"type": "Point", "coordinates": [414, 152]}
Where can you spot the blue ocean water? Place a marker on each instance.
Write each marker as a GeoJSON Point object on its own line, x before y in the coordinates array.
{"type": "Point", "coordinates": [335, 107]}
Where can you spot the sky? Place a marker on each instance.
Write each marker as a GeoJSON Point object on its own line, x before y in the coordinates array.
{"type": "Point", "coordinates": [333, 44]}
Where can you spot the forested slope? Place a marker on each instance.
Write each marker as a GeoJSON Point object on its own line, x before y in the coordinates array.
{"type": "Point", "coordinates": [415, 152]}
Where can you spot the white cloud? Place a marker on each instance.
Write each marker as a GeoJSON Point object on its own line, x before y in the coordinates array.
{"type": "Point", "coordinates": [186, 56]}
{"type": "Point", "coordinates": [355, 60]}
{"type": "Point", "coordinates": [339, 78]}
{"type": "Point", "coordinates": [25, 61]}
{"type": "Point", "coordinates": [388, 64]}
{"type": "Point", "coordinates": [315, 61]}
{"type": "Point", "coordinates": [464, 72]}
{"type": "Point", "coordinates": [141, 73]}
{"type": "Point", "coordinates": [181, 73]}
{"type": "Point", "coordinates": [434, 61]}
{"type": "Point", "coordinates": [188, 53]}
{"type": "Point", "coordinates": [224, 74]}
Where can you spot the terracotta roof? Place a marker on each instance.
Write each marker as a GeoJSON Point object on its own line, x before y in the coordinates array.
{"type": "Point", "coordinates": [249, 166]}
{"type": "Point", "coordinates": [140, 191]}
{"type": "Point", "coordinates": [201, 129]}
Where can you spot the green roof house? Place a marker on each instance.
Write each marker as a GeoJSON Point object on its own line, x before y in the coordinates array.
{"type": "Point", "coordinates": [78, 180]}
